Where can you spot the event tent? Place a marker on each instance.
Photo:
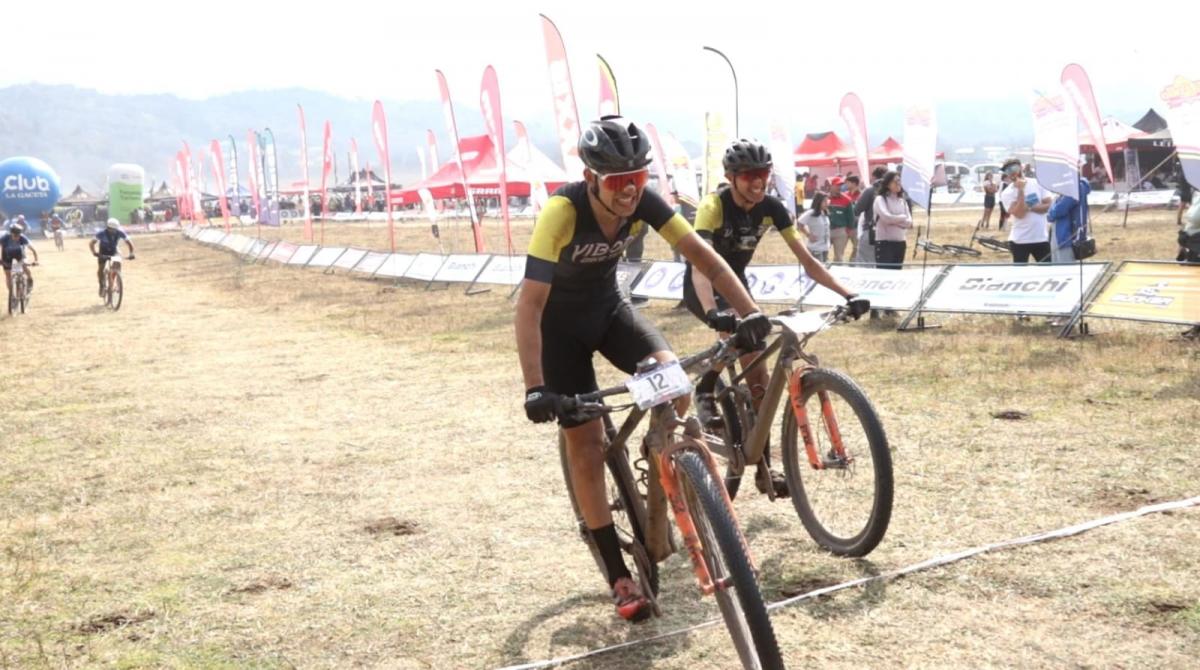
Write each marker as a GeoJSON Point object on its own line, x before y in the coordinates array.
{"type": "Point", "coordinates": [79, 197]}
{"type": "Point", "coordinates": [483, 173]}
{"type": "Point", "coordinates": [1151, 122]}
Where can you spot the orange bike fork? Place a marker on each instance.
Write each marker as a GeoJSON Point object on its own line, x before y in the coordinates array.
{"type": "Point", "coordinates": [683, 518]}
{"type": "Point", "coordinates": [795, 386]}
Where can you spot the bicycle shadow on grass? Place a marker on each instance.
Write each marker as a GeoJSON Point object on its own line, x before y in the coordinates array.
{"type": "Point", "coordinates": [81, 311]}
{"type": "Point", "coordinates": [582, 633]}
{"type": "Point", "coordinates": [836, 605]}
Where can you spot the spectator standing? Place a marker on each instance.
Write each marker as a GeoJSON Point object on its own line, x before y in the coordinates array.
{"type": "Point", "coordinates": [1068, 219]}
{"type": "Point", "coordinates": [814, 223]}
{"type": "Point", "coordinates": [841, 220]}
{"type": "Point", "coordinates": [1027, 204]}
{"type": "Point", "coordinates": [989, 199]}
{"type": "Point", "coordinates": [864, 212]}
{"type": "Point", "coordinates": [893, 218]}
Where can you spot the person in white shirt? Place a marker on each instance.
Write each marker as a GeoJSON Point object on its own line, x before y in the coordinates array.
{"type": "Point", "coordinates": [893, 218]}
{"type": "Point", "coordinates": [1027, 204]}
{"type": "Point", "coordinates": [814, 223]}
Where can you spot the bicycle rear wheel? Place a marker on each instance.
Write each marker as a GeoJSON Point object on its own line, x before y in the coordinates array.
{"type": "Point", "coordinates": [959, 250]}
{"type": "Point", "coordinates": [728, 564]}
{"type": "Point", "coordinates": [116, 292]}
{"type": "Point", "coordinates": [22, 293]}
{"type": "Point", "coordinates": [845, 502]}
{"type": "Point", "coordinates": [993, 243]}
{"type": "Point", "coordinates": [628, 512]}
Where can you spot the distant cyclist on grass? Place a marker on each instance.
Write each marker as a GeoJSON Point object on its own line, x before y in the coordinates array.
{"type": "Point", "coordinates": [570, 307]}
{"type": "Point", "coordinates": [733, 219]}
{"type": "Point", "coordinates": [12, 248]}
{"type": "Point", "coordinates": [107, 241]}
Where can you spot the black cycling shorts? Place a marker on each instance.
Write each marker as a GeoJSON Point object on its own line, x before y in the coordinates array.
{"type": "Point", "coordinates": [571, 333]}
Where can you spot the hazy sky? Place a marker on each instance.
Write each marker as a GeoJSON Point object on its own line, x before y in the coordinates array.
{"type": "Point", "coordinates": [795, 59]}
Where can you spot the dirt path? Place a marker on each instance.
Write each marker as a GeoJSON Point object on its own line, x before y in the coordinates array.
{"type": "Point", "coordinates": [268, 467]}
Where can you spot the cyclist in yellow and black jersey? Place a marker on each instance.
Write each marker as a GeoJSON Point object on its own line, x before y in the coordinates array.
{"type": "Point", "coordinates": [733, 220]}
{"type": "Point", "coordinates": [570, 307]}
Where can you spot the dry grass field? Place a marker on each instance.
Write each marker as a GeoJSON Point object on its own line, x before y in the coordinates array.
{"type": "Point", "coordinates": [259, 466]}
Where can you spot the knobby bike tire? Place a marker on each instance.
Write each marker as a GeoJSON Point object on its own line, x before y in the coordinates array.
{"type": "Point", "coordinates": [959, 250]}
{"type": "Point", "coordinates": [735, 433]}
{"type": "Point", "coordinates": [864, 529]}
{"type": "Point", "coordinates": [20, 296]}
{"type": "Point", "coordinates": [116, 293]}
{"type": "Point", "coordinates": [992, 243]}
{"type": "Point", "coordinates": [728, 561]}
{"type": "Point", "coordinates": [623, 497]}
{"type": "Point", "coordinates": [931, 247]}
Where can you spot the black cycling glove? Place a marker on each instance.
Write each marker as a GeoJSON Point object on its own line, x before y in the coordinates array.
{"type": "Point", "coordinates": [722, 322]}
{"type": "Point", "coordinates": [751, 331]}
{"type": "Point", "coordinates": [856, 306]}
{"type": "Point", "coordinates": [542, 404]}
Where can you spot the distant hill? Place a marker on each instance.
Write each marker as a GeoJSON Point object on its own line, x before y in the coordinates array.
{"type": "Point", "coordinates": [80, 132]}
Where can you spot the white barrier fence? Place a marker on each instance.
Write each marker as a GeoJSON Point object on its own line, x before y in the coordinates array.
{"type": "Point", "coordinates": [1064, 290]}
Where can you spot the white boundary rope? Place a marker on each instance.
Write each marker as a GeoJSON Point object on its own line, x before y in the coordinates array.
{"type": "Point", "coordinates": [945, 559]}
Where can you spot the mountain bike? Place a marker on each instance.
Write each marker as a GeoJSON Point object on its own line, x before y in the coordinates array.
{"type": "Point", "coordinates": [835, 452]}
{"type": "Point", "coordinates": [112, 287]}
{"type": "Point", "coordinates": [945, 249]}
{"type": "Point", "coordinates": [989, 243]}
{"type": "Point", "coordinates": [681, 472]}
{"type": "Point", "coordinates": [18, 292]}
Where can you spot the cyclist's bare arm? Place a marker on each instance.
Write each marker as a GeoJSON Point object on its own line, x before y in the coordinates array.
{"type": "Point", "coordinates": [716, 273]}
{"type": "Point", "coordinates": [92, 246]}
{"type": "Point", "coordinates": [33, 251]}
{"type": "Point", "coordinates": [528, 325]}
{"type": "Point", "coordinates": [130, 246]}
{"type": "Point", "coordinates": [813, 268]}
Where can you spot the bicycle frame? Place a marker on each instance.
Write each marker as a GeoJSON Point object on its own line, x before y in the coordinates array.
{"type": "Point", "coordinates": [785, 374]}
{"type": "Point", "coordinates": [662, 442]}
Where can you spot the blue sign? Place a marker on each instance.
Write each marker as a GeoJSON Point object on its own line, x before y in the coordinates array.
{"type": "Point", "coordinates": [28, 186]}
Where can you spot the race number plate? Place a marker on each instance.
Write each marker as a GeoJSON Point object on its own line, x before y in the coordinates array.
{"type": "Point", "coordinates": [659, 385]}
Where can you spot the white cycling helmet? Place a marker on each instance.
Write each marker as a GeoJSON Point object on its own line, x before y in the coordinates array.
{"type": "Point", "coordinates": [113, 224]}
{"type": "Point", "coordinates": [17, 227]}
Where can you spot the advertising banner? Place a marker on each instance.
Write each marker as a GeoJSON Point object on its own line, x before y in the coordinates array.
{"type": "Point", "coordinates": [380, 133]}
{"type": "Point", "coordinates": [1056, 143]}
{"type": "Point", "coordinates": [283, 251]}
{"type": "Point", "coordinates": [452, 128]}
{"type": "Point", "coordinates": [349, 259]}
{"type": "Point", "coordinates": [325, 257]}
{"type": "Point", "coordinates": [1013, 289]}
{"type": "Point", "coordinates": [886, 289]}
{"type": "Point", "coordinates": [503, 270]}
{"type": "Point", "coordinates": [610, 103]}
{"type": "Point", "coordinates": [371, 262]}
{"type": "Point", "coordinates": [566, 113]}
{"type": "Point", "coordinates": [1165, 292]}
{"type": "Point", "coordinates": [307, 203]}
{"type": "Point", "coordinates": [1079, 89]}
{"type": "Point", "coordinates": [1183, 116]}
{"type": "Point", "coordinates": [851, 111]}
{"type": "Point", "coordinates": [395, 265]}
{"type": "Point", "coordinates": [664, 279]}
{"type": "Point", "coordinates": [461, 267]}
{"type": "Point", "coordinates": [424, 267]}
{"type": "Point", "coordinates": [303, 254]}
{"type": "Point", "coordinates": [777, 283]}
{"type": "Point", "coordinates": [920, 153]}
{"type": "Point", "coordinates": [493, 120]}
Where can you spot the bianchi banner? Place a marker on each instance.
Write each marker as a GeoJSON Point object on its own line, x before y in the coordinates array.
{"type": "Point", "coordinates": [663, 280]}
{"type": "Point", "coordinates": [1013, 289]}
{"type": "Point", "coordinates": [1166, 292]}
{"type": "Point", "coordinates": [886, 289]}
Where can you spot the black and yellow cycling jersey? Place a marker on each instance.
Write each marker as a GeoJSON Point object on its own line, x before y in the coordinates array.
{"type": "Point", "coordinates": [569, 251]}
{"type": "Point", "coordinates": [733, 232]}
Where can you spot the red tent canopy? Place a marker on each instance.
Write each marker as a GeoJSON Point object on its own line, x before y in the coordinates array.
{"type": "Point", "coordinates": [483, 173]}
{"type": "Point", "coordinates": [889, 152]}
{"type": "Point", "coordinates": [822, 150]}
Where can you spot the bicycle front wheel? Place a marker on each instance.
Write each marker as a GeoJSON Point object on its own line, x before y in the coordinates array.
{"type": "Point", "coordinates": [844, 499]}
{"type": "Point", "coordinates": [728, 564]}
{"type": "Point", "coordinates": [116, 292]}
{"type": "Point", "coordinates": [628, 512]}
